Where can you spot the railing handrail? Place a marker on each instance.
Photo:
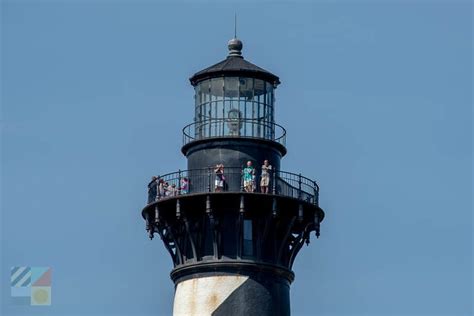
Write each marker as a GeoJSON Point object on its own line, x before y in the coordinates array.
{"type": "Point", "coordinates": [281, 138]}
{"type": "Point", "coordinates": [240, 168]}
{"type": "Point", "coordinates": [295, 185]}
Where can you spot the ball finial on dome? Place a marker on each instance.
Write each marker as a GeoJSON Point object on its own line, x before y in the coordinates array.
{"type": "Point", "coordinates": [235, 47]}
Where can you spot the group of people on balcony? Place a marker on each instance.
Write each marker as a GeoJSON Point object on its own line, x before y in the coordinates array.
{"type": "Point", "coordinates": [158, 188]}
{"type": "Point", "coordinates": [248, 177]}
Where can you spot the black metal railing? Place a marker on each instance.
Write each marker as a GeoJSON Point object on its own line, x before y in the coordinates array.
{"type": "Point", "coordinates": [207, 180]}
{"type": "Point", "coordinates": [244, 128]}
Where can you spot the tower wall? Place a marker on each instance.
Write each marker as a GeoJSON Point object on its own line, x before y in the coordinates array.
{"type": "Point", "coordinates": [227, 294]}
{"type": "Point", "coordinates": [234, 153]}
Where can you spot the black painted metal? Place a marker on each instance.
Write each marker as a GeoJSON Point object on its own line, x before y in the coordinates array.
{"type": "Point", "coordinates": [233, 152]}
{"type": "Point", "coordinates": [263, 296]}
{"type": "Point", "coordinates": [265, 292]}
{"type": "Point", "coordinates": [219, 128]}
{"type": "Point", "coordinates": [203, 181]}
{"type": "Point", "coordinates": [234, 66]}
{"type": "Point", "coordinates": [209, 227]}
{"type": "Point", "coordinates": [211, 231]}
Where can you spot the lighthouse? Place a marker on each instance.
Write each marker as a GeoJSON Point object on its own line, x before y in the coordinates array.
{"type": "Point", "coordinates": [233, 221]}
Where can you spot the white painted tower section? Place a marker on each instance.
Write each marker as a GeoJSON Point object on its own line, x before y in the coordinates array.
{"type": "Point", "coordinates": [202, 296]}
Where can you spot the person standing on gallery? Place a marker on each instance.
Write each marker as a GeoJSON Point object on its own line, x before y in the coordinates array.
{"type": "Point", "coordinates": [249, 177]}
{"type": "Point", "coordinates": [220, 178]}
{"type": "Point", "coordinates": [184, 189]}
{"type": "Point", "coordinates": [152, 189]}
{"type": "Point", "coordinates": [265, 176]}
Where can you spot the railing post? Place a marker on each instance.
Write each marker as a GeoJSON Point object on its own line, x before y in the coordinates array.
{"type": "Point", "coordinates": [274, 182]}
{"type": "Point", "coordinates": [242, 189]}
{"type": "Point", "coordinates": [209, 180]}
{"type": "Point", "coordinates": [316, 194]}
{"type": "Point", "coordinates": [299, 186]}
{"type": "Point", "coordinates": [179, 182]}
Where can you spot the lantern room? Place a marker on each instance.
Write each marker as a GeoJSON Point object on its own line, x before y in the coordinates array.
{"type": "Point", "coordinates": [234, 98]}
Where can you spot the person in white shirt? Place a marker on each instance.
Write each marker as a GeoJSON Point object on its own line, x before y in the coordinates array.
{"type": "Point", "coordinates": [220, 178]}
{"type": "Point", "coordinates": [265, 177]}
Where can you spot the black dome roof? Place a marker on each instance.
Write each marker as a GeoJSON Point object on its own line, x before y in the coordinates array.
{"type": "Point", "coordinates": [234, 65]}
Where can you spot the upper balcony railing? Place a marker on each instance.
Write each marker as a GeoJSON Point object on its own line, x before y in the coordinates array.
{"type": "Point", "coordinates": [238, 127]}
{"type": "Point", "coordinates": [234, 179]}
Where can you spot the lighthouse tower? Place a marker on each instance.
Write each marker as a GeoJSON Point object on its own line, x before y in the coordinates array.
{"type": "Point", "coordinates": [232, 225]}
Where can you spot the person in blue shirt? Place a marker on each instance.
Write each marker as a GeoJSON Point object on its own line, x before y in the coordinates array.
{"type": "Point", "coordinates": [249, 177]}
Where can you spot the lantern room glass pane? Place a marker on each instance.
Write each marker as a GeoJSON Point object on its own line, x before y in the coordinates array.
{"type": "Point", "coordinates": [234, 106]}
{"type": "Point", "coordinates": [205, 92]}
{"type": "Point", "coordinates": [246, 88]}
{"type": "Point", "coordinates": [217, 88]}
{"type": "Point", "coordinates": [231, 87]}
{"type": "Point", "coordinates": [259, 87]}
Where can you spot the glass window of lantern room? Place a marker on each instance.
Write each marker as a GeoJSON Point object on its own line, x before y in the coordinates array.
{"type": "Point", "coordinates": [197, 96]}
{"type": "Point", "coordinates": [197, 112]}
{"type": "Point", "coordinates": [245, 91]}
{"type": "Point", "coordinates": [263, 113]}
{"type": "Point", "coordinates": [204, 108]}
{"type": "Point", "coordinates": [217, 106]}
{"type": "Point", "coordinates": [231, 106]}
{"type": "Point", "coordinates": [245, 101]}
{"type": "Point", "coordinates": [204, 99]}
{"type": "Point", "coordinates": [257, 105]}
{"type": "Point", "coordinates": [231, 87]}
{"type": "Point", "coordinates": [271, 100]}
{"type": "Point", "coordinates": [269, 127]}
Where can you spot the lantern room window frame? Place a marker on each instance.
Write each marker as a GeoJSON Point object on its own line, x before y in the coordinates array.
{"type": "Point", "coordinates": [216, 97]}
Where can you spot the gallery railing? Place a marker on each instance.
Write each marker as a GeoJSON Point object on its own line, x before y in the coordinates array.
{"type": "Point", "coordinates": [238, 127]}
{"type": "Point", "coordinates": [207, 180]}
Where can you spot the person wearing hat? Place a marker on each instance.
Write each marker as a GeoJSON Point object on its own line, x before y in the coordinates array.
{"type": "Point", "coordinates": [152, 189]}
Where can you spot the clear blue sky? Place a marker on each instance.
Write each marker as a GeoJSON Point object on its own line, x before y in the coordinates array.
{"type": "Point", "coordinates": [376, 98]}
